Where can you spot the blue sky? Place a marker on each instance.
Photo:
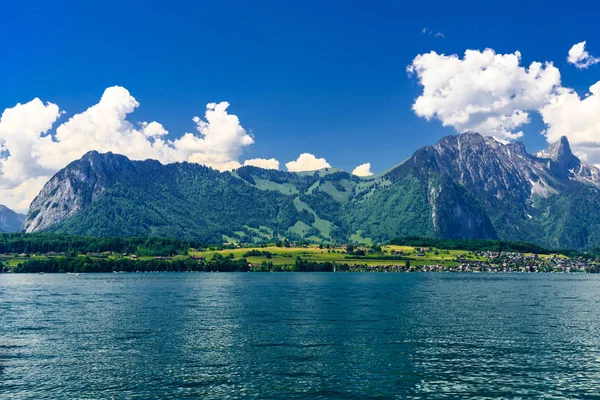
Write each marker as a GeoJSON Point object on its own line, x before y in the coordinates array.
{"type": "Point", "coordinates": [325, 77]}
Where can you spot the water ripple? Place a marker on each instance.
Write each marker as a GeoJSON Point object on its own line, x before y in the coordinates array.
{"type": "Point", "coordinates": [299, 336]}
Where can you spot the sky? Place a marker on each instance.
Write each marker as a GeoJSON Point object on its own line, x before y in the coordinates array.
{"type": "Point", "coordinates": [294, 85]}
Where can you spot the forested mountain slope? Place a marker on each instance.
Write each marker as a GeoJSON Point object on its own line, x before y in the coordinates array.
{"type": "Point", "coordinates": [466, 186]}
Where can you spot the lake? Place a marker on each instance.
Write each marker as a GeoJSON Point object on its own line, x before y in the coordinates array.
{"type": "Point", "coordinates": [299, 336]}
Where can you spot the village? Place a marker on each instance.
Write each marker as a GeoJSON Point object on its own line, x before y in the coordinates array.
{"type": "Point", "coordinates": [491, 262]}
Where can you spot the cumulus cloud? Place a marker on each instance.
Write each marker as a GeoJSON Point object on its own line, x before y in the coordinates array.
{"type": "Point", "coordinates": [577, 118]}
{"type": "Point", "coordinates": [153, 129]}
{"type": "Point", "coordinates": [307, 162]}
{"type": "Point", "coordinates": [271, 163]}
{"type": "Point", "coordinates": [363, 170]}
{"type": "Point", "coordinates": [30, 153]}
{"type": "Point", "coordinates": [493, 94]}
{"type": "Point", "coordinates": [485, 92]}
{"type": "Point", "coordinates": [23, 140]}
{"type": "Point", "coordinates": [581, 58]}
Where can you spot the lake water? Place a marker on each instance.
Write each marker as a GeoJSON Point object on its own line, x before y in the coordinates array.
{"type": "Point", "coordinates": [299, 336]}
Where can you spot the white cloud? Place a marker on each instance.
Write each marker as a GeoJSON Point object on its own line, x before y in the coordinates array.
{"type": "Point", "coordinates": [23, 138]}
{"type": "Point", "coordinates": [429, 32]}
{"type": "Point", "coordinates": [485, 92]}
{"type": "Point", "coordinates": [581, 58]}
{"type": "Point", "coordinates": [492, 94]}
{"type": "Point", "coordinates": [29, 154]}
{"type": "Point", "coordinates": [271, 163]}
{"type": "Point", "coordinates": [18, 198]}
{"type": "Point", "coordinates": [153, 129]}
{"type": "Point", "coordinates": [221, 134]}
{"type": "Point", "coordinates": [577, 118]}
{"type": "Point", "coordinates": [363, 170]}
{"type": "Point", "coordinates": [307, 162]}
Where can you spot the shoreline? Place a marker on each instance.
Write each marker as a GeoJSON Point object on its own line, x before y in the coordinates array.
{"type": "Point", "coordinates": [302, 272]}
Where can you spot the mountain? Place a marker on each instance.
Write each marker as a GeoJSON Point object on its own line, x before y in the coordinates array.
{"type": "Point", "coordinates": [10, 221]}
{"type": "Point", "coordinates": [466, 186]}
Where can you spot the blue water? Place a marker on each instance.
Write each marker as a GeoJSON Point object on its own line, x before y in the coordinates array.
{"type": "Point", "coordinates": [299, 335]}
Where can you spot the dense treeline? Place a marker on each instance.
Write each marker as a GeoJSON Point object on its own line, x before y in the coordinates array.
{"type": "Point", "coordinates": [88, 264]}
{"type": "Point", "coordinates": [258, 253]}
{"type": "Point", "coordinates": [59, 243]}
{"type": "Point", "coordinates": [302, 265]}
{"type": "Point", "coordinates": [475, 245]}
{"type": "Point", "coordinates": [217, 264]}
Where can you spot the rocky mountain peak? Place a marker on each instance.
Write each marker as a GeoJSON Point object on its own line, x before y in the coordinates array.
{"type": "Point", "coordinates": [562, 161]}
{"type": "Point", "coordinates": [73, 188]}
{"type": "Point", "coordinates": [559, 151]}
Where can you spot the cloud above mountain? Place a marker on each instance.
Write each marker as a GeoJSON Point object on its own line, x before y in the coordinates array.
{"type": "Point", "coordinates": [483, 91]}
{"type": "Point", "coordinates": [307, 162]}
{"type": "Point", "coordinates": [270, 163]}
{"type": "Point", "coordinates": [30, 152]}
{"type": "Point", "coordinates": [495, 95]}
{"type": "Point", "coordinates": [362, 170]}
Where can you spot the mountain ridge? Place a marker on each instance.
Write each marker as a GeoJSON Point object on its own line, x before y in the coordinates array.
{"type": "Point", "coordinates": [466, 186]}
{"type": "Point", "coordinates": [10, 221]}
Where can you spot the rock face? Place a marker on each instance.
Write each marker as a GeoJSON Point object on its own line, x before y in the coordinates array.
{"type": "Point", "coordinates": [72, 189]}
{"type": "Point", "coordinates": [519, 191]}
{"type": "Point", "coordinates": [466, 186]}
{"type": "Point", "coordinates": [10, 221]}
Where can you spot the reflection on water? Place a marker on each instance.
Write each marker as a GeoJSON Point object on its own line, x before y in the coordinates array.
{"type": "Point", "coordinates": [218, 336]}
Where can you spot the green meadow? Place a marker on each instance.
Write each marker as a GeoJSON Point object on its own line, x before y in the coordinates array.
{"type": "Point", "coordinates": [389, 255]}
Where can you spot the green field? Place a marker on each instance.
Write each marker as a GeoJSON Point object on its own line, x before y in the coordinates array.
{"type": "Point", "coordinates": [282, 256]}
